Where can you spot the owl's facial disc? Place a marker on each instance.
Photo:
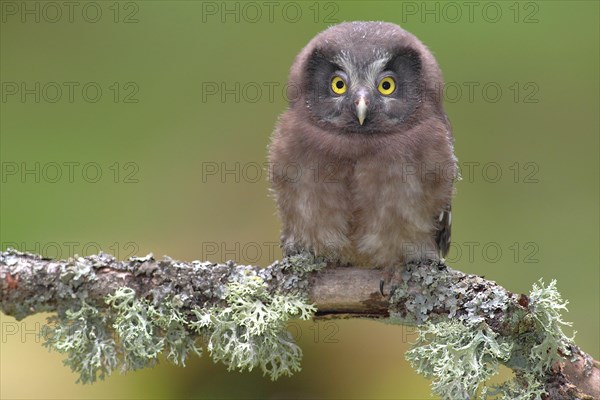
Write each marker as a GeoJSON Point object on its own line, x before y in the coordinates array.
{"type": "Point", "coordinates": [362, 92]}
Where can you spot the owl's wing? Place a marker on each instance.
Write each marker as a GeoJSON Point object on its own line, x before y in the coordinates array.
{"type": "Point", "coordinates": [444, 229]}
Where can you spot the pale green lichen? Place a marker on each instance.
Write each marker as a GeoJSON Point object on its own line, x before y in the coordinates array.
{"type": "Point", "coordinates": [547, 305]}
{"type": "Point", "coordinates": [457, 357]}
{"type": "Point", "coordinates": [527, 386]}
{"type": "Point", "coordinates": [85, 336]}
{"type": "Point", "coordinates": [145, 330]}
{"type": "Point", "coordinates": [178, 342]}
{"type": "Point", "coordinates": [251, 330]}
{"type": "Point", "coordinates": [245, 329]}
{"type": "Point", "coordinates": [429, 286]}
{"type": "Point", "coordinates": [461, 356]}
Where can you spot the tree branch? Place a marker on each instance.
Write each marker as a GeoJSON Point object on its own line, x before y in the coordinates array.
{"type": "Point", "coordinates": [417, 294]}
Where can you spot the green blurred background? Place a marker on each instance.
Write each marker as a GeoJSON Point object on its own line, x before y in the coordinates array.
{"type": "Point", "coordinates": [156, 135]}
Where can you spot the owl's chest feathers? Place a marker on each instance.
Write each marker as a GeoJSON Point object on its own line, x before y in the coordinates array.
{"type": "Point", "coordinates": [363, 209]}
{"type": "Point", "coordinates": [371, 191]}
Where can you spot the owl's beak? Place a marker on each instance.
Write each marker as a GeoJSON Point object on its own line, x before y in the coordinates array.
{"type": "Point", "coordinates": [361, 108]}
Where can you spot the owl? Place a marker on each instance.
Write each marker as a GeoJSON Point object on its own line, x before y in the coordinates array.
{"type": "Point", "coordinates": [362, 164]}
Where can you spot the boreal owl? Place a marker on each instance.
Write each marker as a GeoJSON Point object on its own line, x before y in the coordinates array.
{"type": "Point", "coordinates": [362, 161]}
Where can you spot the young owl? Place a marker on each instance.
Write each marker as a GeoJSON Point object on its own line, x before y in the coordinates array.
{"type": "Point", "coordinates": [362, 162]}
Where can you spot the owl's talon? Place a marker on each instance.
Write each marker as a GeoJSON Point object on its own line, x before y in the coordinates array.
{"type": "Point", "coordinates": [381, 283]}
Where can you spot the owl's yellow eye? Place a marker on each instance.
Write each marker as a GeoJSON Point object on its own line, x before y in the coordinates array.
{"type": "Point", "coordinates": [338, 85]}
{"type": "Point", "coordinates": [387, 85]}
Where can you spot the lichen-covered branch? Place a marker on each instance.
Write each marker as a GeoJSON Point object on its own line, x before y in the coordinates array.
{"type": "Point", "coordinates": [112, 314]}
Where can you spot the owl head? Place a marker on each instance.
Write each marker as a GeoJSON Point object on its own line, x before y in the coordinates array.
{"type": "Point", "coordinates": [365, 78]}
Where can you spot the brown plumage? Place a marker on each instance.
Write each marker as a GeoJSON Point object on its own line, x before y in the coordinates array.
{"type": "Point", "coordinates": [363, 170]}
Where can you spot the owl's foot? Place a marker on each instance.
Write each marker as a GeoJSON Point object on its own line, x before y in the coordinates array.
{"type": "Point", "coordinates": [382, 285]}
{"type": "Point", "coordinates": [391, 273]}
{"type": "Point", "coordinates": [290, 249]}
{"type": "Point", "coordinates": [344, 264]}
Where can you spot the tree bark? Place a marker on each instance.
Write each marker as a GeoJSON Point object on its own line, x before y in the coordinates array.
{"type": "Point", "coordinates": [427, 291]}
